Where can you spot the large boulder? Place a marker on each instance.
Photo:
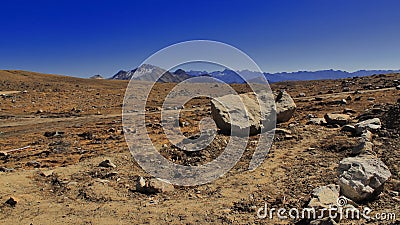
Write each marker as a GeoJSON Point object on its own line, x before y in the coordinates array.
{"type": "Point", "coordinates": [285, 107]}
{"type": "Point", "coordinates": [230, 115]}
{"type": "Point", "coordinates": [339, 119]}
{"type": "Point", "coordinates": [362, 177]}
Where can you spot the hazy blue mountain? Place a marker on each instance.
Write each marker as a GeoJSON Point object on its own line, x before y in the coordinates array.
{"type": "Point", "coordinates": [149, 73]}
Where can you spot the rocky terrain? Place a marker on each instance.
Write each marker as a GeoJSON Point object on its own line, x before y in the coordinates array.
{"type": "Point", "coordinates": [64, 159]}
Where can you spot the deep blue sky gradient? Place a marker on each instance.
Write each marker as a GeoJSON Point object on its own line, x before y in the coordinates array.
{"type": "Point", "coordinates": [83, 38]}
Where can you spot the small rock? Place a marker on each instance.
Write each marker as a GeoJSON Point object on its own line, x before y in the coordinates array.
{"type": "Point", "coordinates": [365, 147]}
{"type": "Point", "coordinates": [12, 201]}
{"type": "Point", "coordinates": [371, 99]}
{"type": "Point", "coordinates": [282, 131]}
{"type": "Point", "coordinates": [107, 164]}
{"type": "Point", "coordinates": [340, 119]}
{"type": "Point", "coordinates": [398, 87]}
{"type": "Point", "coordinates": [347, 110]}
{"type": "Point", "coordinates": [152, 186]}
{"type": "Point", "coordinates": [302, 95]}
{"type": "Point", "coordinates": [366, 135]}
{"type": "Point", "coordinates": [34, 164]}
{"type": "Point", "coordinates": [318, 98]}
{"type": "Point", "coordinates": [317, 121]}
{"type": "Point", "coordinates": [349, 128]}
{"type": "Point", "coordinates": [47, 173]}
{"type": "Point", "coordinates": [362, 177]}
{"type": "Point", "coordinates": [54, 133]}
{"type": "Point", "coordinates": [3, 154]}
{"type": "Point", "coordinates": [325, 196]}
{"type": "Point", "coordinates": [6, 170]}
{"type": "Point", "coordinates": [345, 89]}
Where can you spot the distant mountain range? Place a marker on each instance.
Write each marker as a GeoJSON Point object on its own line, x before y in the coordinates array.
{"type": "Point", "coordinates": [150, 73]}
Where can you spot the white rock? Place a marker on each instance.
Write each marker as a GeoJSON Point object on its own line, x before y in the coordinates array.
{"type": "Point", "coordinates": [152, 186]}
{"type": "Point", "coordinates": [285, 107]}
{"type": "Point", "coordinates": [371, 124]}
{"type": "Point", "coordinates": [230, 115]}
{"type": "Point", "coordinates": [362, 177]}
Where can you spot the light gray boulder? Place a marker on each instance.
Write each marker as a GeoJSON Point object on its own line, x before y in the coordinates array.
{"type": "Point", "coordinates": [339, 119]}
{"type": "Point", "coordinates": [362, 177]}
{"type": "Point", "coordinates": [371, 125]}
{"type": "Point", "coordinates": [285, 107]}
{"type": "Point", "coordinates": [243, 113]}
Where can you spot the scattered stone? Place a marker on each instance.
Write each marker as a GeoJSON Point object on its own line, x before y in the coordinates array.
{"type": "Point", "coordinates": [302, 95]}
{"type": "Point", "coordinates": [34, 164]}
{"type": "Point", "coordinates": [347, 110]}
{"type": "Point", "coordinates": [318, 98]}
{"type": "Point", "coordinates": [365, 147]}
{"type": "Point", "coordinates": [282, 131]}
{"type": "Point", "coordinates": [317, 121]}
{"type": "Point", "coordinates": [5, 170]}
{"type": "Point", "coordinates": [152, 186]}
{"type": "Point", "coordinates": [12, 201]}
{"type": "Point", "coordinates": [371, 124]}
{"type": "Point", "coordinates": [107, 164]}
{"type": "Point", "coordinates": [349, 128]}
{"type": "Point", "coordinates": [362, 177]}
{"type": "Point", "coordinates": [54, 133]}
{"type": "Point", "coordinates": [47, 173]}
{"type": "Point", "coordinates": [285, 107]}
{"type": "Point", "coordinates": [325, 196]}
{"type": "Point", "coordinates": [339, 119]}
{"type": "Point", "coordinates": [366, 135]}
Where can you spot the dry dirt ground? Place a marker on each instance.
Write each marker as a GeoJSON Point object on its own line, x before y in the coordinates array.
{"type": "Point", "coordinates": [55, 131]}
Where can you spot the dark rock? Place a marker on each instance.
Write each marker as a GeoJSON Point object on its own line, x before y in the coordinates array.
{"type": "Point", "coordinates": [107, 164]}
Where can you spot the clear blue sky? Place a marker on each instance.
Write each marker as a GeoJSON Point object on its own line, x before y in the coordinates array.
{"type": "Point", "coordinates": [83, 38]}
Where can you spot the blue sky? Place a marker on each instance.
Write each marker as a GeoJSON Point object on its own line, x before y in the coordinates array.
{"type": "Point", "coordinates": [83, 38]}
